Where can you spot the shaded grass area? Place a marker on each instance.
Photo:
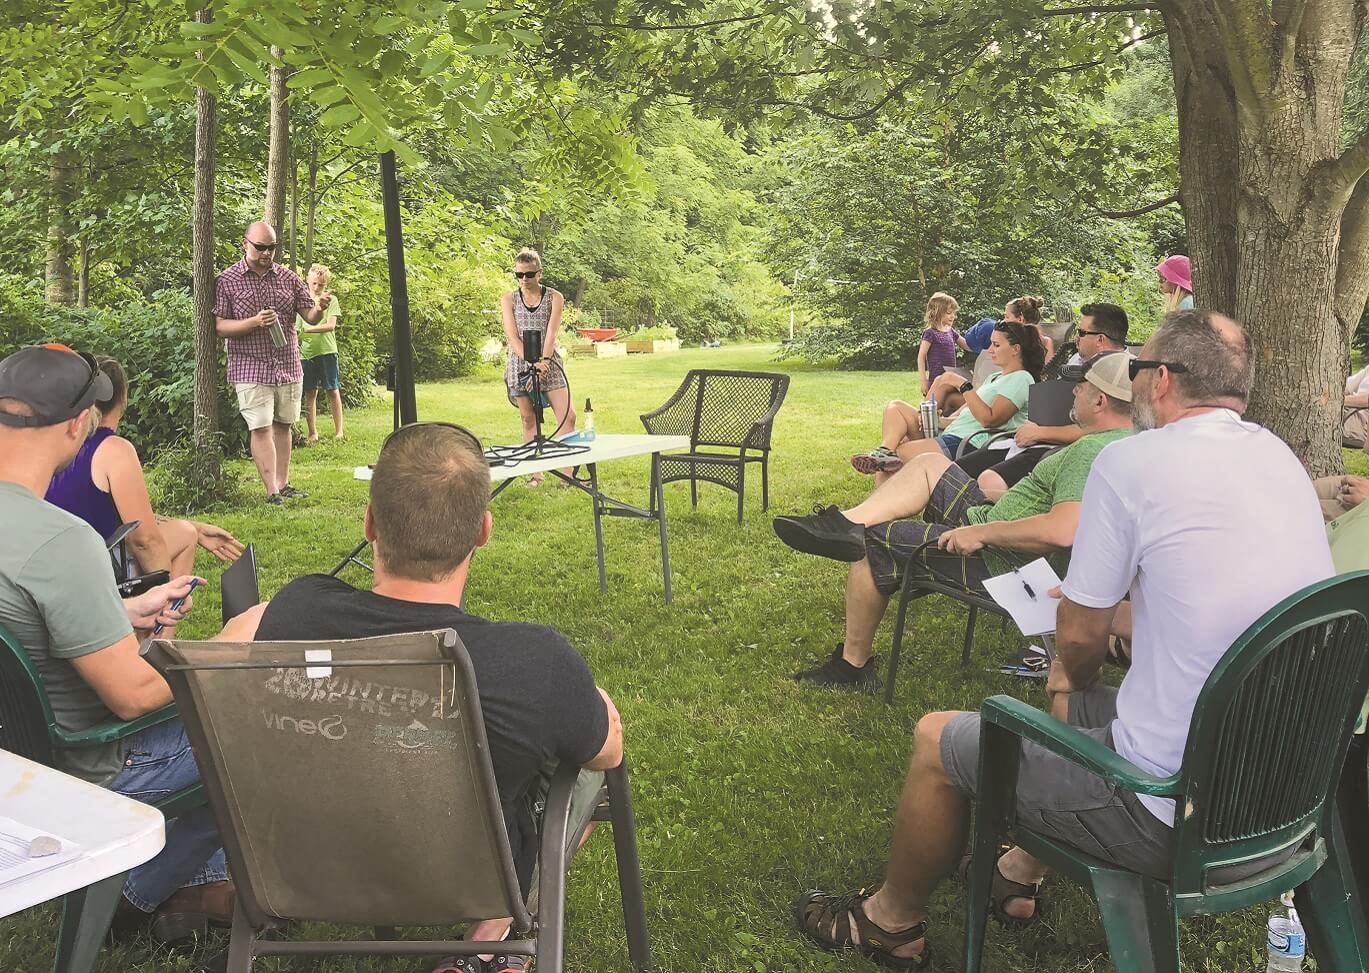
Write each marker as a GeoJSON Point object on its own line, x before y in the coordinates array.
{"type": "Point", "coordinates": [748, 789]}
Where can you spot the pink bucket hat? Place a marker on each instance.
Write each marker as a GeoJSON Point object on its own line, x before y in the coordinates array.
{"type": "Point", "coordinates": [1177, 271]}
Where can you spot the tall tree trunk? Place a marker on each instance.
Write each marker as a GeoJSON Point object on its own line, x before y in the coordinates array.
{"type": "Point", "coordinates": [311, 207]}
{"type": "Point", "coordinates": [83, 275]}
{"type": "Point", "coordinates": [208, 449]}
{"type": "Point", "coordinates": [279, 158]}
{"type": "Point", "coordinates": [294, 214]}
{"type": "Point", "coordinates": [64, 184]}
{"type": "Point", "coordinates": [1260, 105]}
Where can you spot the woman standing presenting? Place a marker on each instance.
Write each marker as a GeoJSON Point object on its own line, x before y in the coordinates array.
{"type": "Point", "coordinates": [535, 307]}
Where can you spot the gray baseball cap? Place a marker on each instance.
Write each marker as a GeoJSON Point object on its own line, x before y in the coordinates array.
{"type": "Point", "coordinates": [1107, 372]}
{"type": "Point", "coordinates": [58, 383]}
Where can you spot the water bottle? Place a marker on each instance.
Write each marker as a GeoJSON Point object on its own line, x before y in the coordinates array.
{"type": "Point", "coordinates": [588, 428]}
{"type": "Point", "coordinates": [1287, 944]}
{"type": "Point", "coordinates": [931, 418]}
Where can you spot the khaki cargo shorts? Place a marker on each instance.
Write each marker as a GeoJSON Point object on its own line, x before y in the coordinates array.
{"type": "Point", "coordinates": [262, 405]}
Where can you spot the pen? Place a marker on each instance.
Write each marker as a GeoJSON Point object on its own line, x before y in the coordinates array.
{"type": "Point", "coordinates": [1030, 594]}
{"type": "Point", "coordinates": [195, 583]}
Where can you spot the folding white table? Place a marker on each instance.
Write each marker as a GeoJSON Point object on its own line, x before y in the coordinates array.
{"type": "Point", "coordinates": [603, 449]}
{"type": "Point", "coordinates": [115, 833]}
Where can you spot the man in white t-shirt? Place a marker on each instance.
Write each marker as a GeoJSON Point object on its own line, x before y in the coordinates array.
{"type": "Point", "coordinates": [1199, 565]}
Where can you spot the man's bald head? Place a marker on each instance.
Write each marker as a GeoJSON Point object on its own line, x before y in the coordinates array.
{"type": "Point", "coordinates": [259, 246]}
{"type": "Point", "coordinates": [1215, 350]}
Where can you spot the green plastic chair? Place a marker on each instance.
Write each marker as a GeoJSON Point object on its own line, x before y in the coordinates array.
{"type": "Point", "coordinates": [28, 728]}
{"type": "Point", "coordinates": [1265, 750]}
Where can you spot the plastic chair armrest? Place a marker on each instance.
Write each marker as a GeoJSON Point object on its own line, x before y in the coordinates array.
{"type": "Point", "coordinates": [1040, 728]}
{"type": "Point", "coordinates": [111, 730]}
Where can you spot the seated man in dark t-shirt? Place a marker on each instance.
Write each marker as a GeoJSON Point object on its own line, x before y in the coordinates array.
{"type": "Point", "coordinates": [427, 516]}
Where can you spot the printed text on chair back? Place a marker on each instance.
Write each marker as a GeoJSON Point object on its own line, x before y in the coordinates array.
{"type": "Point", "coordinates": [355, 794]}
{"type": "Point", "coordinates": [1271, 727]}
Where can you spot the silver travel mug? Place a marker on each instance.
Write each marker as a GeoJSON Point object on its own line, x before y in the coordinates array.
{"type": "Point", "coordinates": [277, 332]}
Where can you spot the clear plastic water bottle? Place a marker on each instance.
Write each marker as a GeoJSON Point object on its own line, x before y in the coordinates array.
{"type": "Point", "coordinates": [1286, 941]}
{"type": "Point", "coordinates": [588, 417]}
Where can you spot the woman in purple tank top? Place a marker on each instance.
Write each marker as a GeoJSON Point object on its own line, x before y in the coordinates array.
{"type": "Point", "coordinates": [104, 486]}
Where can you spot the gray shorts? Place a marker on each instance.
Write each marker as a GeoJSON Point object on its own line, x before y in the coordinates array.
{"type": "Point", "coordinates": [1062, 799]}
{"type": "Point", "coordinates": [583, 803]}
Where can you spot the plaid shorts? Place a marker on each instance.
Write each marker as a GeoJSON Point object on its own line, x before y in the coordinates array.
{"type": "Point", "coordinates": [890, 547]}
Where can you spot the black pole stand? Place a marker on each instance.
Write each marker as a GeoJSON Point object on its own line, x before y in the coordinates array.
{"type": "Point", "coordinates": [540, 446]}
{"type": "Point", "coordinates": [405, 401]}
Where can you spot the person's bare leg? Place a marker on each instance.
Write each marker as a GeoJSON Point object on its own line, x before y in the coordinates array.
{"type": "Point", "coordinates": [529, 420]}
{"type": "Point", "coordinates": [865, 605]}
{"type": "Point", "coordinates": [263, 446]}
{"type": "Point", "coordinates": [903, 494]}
{"type": "Point", "coordinates": [335, 406]}
{"type": "Point", "coordinates": [565, 415]}
{"type": "Point", "coordinates": [952, 402]}
{"type": "Point", "coordinates": [901, 422]}
{"type": "Point", "coordinates": [182, 540]}
{"type": "Point", "coordinates": [281, 433]}
{"type": "Point", "coordinates": [311, 413]}
{"type": "Point", "coordinates": [992, 485]}
{"type": "Point", "coordinates": [930, 827]}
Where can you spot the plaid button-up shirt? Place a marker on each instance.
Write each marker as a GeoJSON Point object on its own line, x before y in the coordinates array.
{"type": "Point", "coordinates": [252, 358]}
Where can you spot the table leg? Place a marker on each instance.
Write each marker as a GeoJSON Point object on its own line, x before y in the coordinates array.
{"type": "Point", "coordinates": [658, 502]}
{"type": "Point", "coordinates": [598, 524]}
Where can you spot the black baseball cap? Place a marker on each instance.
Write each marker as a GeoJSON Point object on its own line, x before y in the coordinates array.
{"type": "Point", "coordinates": [58, 383]}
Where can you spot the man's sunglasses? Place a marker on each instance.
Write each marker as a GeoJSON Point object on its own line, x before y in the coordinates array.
{"type": "Point", "coordinates": [402, 430]}
{"type": "Point", "coordinates": [528, 274]}
{"type": "Point", "coordinates": [1138, 365]}
{"type": "Point", "coordinates": [1084, 334]}
{"type": "Point", "coordinates": [263, 247]}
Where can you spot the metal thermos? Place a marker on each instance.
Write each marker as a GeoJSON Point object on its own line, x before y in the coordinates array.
{"type": "Point", "coordinates": [277, 332]}
{"type": "Point", "coordinates": [931, 419]}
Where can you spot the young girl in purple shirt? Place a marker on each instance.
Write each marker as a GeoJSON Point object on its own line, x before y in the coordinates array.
{"type": "Point", "coordinates": [939, 341]}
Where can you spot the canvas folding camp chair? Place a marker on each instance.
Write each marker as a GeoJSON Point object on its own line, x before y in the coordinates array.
{"type": "Point", "coordinates": [29, 728]}
{"type": "Point", "coordinates": [352, 784]}
{"type": "Point", "coordinates": [728, 417]}
{"type": "Point", "coordinates": [1265, 752]}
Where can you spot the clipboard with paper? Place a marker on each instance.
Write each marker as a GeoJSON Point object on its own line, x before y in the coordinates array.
{"type": "Point", "coordinates": [1022, 593]}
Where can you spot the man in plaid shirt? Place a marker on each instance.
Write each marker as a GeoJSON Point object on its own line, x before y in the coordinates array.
{"type": "Point", "coordinates": [255, 303]}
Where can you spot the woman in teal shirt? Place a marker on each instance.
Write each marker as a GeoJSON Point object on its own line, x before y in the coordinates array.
{"type": "Point", "coordinates": [998, 404]}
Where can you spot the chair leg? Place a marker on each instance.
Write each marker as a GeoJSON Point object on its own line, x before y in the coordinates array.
{"type": "Point", "coordinates": [969, 636]}
{"type": "Point", "coordinates": [741, 491]}
{"type": "Point", "coordinates": [995, 808]}
{"type": "Point", "coordinates": [906, 595]}
{"type": "Point", "coordinates": [1139, 920]}
{"type": "Point", "coordinates": [86, 915]}
{"type": "Point", "coordinates": [629, 868]}
{"type": "Point", "coordinates": [765, 483]}
{"type": "Point", "coordinates": [1336, 930]}
{"type": "Point", "coordinates": [693, 491]}
{"type": "Point", "coordinates": [241, 940]}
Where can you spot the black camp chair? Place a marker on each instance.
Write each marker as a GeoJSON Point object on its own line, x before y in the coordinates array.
{"type": "Point", "coordinates": [352, 784]}
{"type": "Point", "coordinates": [721, 412]}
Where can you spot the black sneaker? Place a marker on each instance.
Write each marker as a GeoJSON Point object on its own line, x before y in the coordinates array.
{"type": "Point", "coordinates": [275, 500]}
{"type": "Point", "coordinates": [291, 493]}
{"type": "Point", "coordinates": [825, 533]}
{"type": "Point", "coordinates": [837, 672]}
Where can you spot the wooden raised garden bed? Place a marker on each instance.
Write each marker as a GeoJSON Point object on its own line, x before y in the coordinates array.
{"type": "Point", "coordinates": [651, 346]}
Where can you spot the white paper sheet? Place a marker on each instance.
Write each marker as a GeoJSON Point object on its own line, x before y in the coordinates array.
{"type": "Point", "coordinates": [15, 862]}
{"type": "Point", "coordinates": [1023, 594]}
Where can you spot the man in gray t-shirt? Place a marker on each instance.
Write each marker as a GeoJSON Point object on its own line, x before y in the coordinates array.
{"type": "Point", "coordinates": [58, 599]}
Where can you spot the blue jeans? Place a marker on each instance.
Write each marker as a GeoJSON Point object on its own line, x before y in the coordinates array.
{"type": "Point", "coordinates": [158, 762]}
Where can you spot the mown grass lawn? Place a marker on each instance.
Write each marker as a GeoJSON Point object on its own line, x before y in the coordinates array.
{"type": "Point", "coordinates": [748, 789]}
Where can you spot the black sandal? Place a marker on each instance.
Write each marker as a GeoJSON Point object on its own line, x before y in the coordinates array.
{"type": "Point", "coordinates": [815, 912]}
{"type": "Point", "coordinates": [1004, 890]}
{"type": "Point", "coordinates": [459, 964]}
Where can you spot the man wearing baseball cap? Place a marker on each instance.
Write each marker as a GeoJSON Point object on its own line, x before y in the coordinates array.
{"type": "Point", "coordinates": [974, 537]}
{"type": "Point", "coordinates": [58, 598]}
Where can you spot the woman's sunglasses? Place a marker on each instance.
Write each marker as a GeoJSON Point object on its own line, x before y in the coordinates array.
{"type": "Point", "coordinates": [526, 274]}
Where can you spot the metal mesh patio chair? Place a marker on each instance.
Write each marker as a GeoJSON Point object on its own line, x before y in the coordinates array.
{"type": "Point", "coordinates": [352, 784]}
{"type": "Point", "coordinates": [720, 411]}
{"type": "Point", "coordinates": [29, 728]}
{"type": "Point", "coordinates": [1266, 747]}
